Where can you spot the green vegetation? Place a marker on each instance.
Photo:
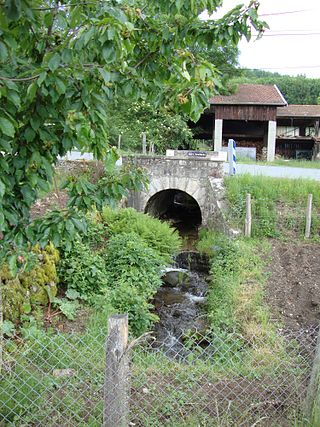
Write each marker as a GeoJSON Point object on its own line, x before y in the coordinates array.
{"type": "Point", "coordinates": [134, 275]}
{"type": "Point", "coordinates": [156, 234]}
{"type": "Point", "coordinates": [119, 262]}
{"type": "Point", "coordinates": [240, 347]}
{"type": "Point", "coordinates": [83, 270]}
{"type": "Point", "coordinates": [278, 205]}
{"type": "Point", "coordinates": [63, 65]}
{"type": "Point", "coordinates": [30, 394]}
{"type": "Point", "coordinates": [163, 129]}
{"type": "Point", "coordinates": [235, 300]}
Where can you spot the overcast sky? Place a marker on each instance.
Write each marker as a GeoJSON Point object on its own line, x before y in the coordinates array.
{"type": "Point", "coordinates": [297, 53]}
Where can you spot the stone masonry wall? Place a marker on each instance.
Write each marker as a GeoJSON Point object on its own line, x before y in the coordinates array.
{"type": "Point", "coordinates": [185, 174]}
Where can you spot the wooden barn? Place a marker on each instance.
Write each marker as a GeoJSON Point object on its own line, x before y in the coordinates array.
{"type": "Point", "coordinates": [258, 116]}
{"type": "Point", "coordinates": [298, 131]}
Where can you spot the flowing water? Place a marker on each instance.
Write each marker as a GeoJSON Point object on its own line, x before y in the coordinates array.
{"type": "Point", "coordinates": [181, 301]}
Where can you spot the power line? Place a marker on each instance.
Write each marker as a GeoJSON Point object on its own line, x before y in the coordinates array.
{"type": "Point", "coordinates": [285, 13]}
{"type": "Point", "coordinates": [292, 30]}
{"type": "Point", "coordinates": [288, 34]}
{"type": "Point", "coordinates": [286, 68]}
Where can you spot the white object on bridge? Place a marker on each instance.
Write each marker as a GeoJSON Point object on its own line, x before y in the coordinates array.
{"type": "Point", "coordinates": [232, 157]}
{"type": "Point", "coordinates": [170, 153]}
{"type": "Point", "coordinates": [218, 156]}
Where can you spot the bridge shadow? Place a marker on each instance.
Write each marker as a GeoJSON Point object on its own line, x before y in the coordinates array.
{"type": "Point", "coordinates": [177, 207]}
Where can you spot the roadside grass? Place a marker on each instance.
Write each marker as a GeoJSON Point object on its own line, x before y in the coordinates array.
{"type": "Point", "coordinates": [307, 164]}
{"type": "Point", "coordinates": [278, 205]}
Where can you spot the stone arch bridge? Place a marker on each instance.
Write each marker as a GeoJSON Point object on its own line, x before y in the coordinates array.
{"type": "Point", "coordinates": [187, 185]}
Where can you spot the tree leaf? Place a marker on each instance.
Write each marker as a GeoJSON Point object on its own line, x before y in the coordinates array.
{"type": "Point", "coordinates": [2, 189]}
{"type": "Point", "coordinates": [41, 78]}
{"type": "Point", "coordinates": [7, 127]}
{"type": "Point", "coordinates": [3, 52]}
{"type": "Point", "coordinates": [54, 62]}
{"type": "Point", "coordinates": [31, 91]}
{"type": "Point", "coordinates": [13, 9]}
{"type": "Point", "coordinates": [29, 134]}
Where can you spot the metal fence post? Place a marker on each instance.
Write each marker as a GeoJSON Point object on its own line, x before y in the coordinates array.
{"type": "Point", "coordinates": [232, 156]}
{"type": "Point", "coordinates": [116, 384]}
{"type": "Point", "coordinates": [308, 217]}
{"type": "Point", "coordinates": [119, 141]}
{"type": "Point", "coordinates": [247, 227]}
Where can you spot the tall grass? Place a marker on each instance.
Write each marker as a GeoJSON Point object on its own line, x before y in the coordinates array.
{"type": "Point", "coordinates": [235, 300]}
{"type": "Point", "coordinates": [278, 205]}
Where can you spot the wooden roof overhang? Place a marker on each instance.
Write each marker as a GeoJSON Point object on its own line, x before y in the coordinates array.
{"type": "Point", "coordinates": [245, 112]}
{"type": "Point", "coordinates": [250, 102]}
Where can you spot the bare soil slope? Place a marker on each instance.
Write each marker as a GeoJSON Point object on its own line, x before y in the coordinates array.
{"type": "Point", "coordinates": [293, 288]}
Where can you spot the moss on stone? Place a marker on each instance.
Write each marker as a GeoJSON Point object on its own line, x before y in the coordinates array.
{"type": "Point", "coordinates": [30, 288]}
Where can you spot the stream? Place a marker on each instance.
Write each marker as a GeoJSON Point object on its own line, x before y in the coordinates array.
{"type": "Point", "coordinates": [181, 302]}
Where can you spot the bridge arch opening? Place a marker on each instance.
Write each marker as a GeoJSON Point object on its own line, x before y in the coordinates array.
{"type": "Point", "coordinates": [177, 207]}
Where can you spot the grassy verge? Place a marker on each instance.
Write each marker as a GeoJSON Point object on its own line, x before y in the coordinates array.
{"type": "Point", "coordinates": [278, 205]}
{"type": "Point", "coordinates": [235, 300]}
{"type": "Point", "coordinates": [307, 164]}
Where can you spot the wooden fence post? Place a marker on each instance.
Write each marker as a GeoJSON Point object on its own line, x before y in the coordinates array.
{"type": "Point", "coordinates": [313, 392]}
{"type": "Point", "coordinates": [119, 141]}
{"type": "Point", "coordinates": [116, 384]}
{"type": "Point", "coordinates": [248, 222]}
{"type": "Point", "coordinates": [308, 217]}
{"type": "Point", "coordinates": [144, 143]}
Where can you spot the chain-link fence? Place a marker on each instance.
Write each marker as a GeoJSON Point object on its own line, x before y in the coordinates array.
{"type": "Point", "coordinates": [215, 379]}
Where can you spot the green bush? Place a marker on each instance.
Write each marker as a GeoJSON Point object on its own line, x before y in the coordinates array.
{"type": "Point", "coordinates": [156, 234]}
{"type": "Point", "coordinates": [119, 262]}
{"type": "Point", "coordinates": [121, 257]}
{"type": "Point", "coordinates": [134, 272]}
{"type": "Point", "coordinates": [83, 270]}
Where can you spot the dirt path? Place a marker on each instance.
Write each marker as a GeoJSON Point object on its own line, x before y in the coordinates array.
{"type": "Point", "coordinates": [293, 288]}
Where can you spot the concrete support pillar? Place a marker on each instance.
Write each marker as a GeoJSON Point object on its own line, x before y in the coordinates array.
{"type": "Point", "coordinates": [218, 123]}
{"type": "Point", "coordinates": [271, 147]}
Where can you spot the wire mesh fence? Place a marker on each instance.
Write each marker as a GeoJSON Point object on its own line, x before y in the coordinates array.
{"type": "Point", "coordinates": [215, 379]}
{"type": "Point", "coordinates": [274, 218]}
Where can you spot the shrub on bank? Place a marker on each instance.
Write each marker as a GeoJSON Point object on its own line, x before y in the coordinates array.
{"type": "Point", "coordinates": [156, 234]}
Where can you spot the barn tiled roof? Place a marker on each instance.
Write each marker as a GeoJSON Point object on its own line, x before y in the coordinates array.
{"type": "Point", "coordinates": [299, 111]}
{"type": "Point", "coordinates": [251, 94]}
